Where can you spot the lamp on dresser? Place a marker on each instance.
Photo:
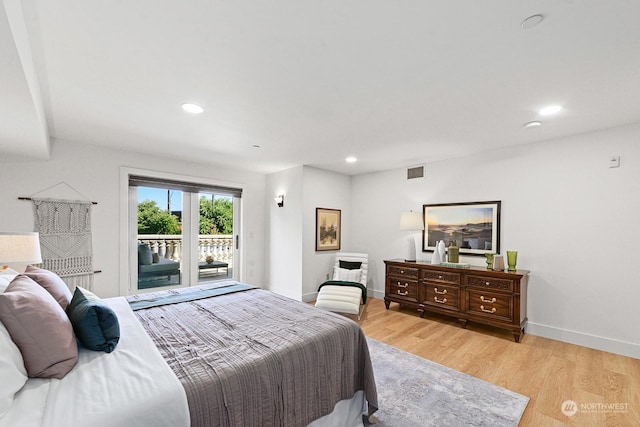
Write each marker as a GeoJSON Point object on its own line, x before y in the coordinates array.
{"type": "Point", "coordinates": [411, 222]}
{"type": "Point", "coordinates": [17, 250]}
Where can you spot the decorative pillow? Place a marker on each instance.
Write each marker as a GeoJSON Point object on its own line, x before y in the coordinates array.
{"type": "Point", "coordinates": [6, 276]}
{"type": "Point", "coordinates": [12, 370]}
{"type": "Point", "coordinates": [345, 275]}
{"type": "Point", "coordinates": [350, 265]}
{"type": "Point", "coordinates": [39, 327]}
{"type": "Point", "coordinates": [145, 256]}
{"type": "Point", "coordinates": [52, 283]}
{"type": "Point", "coordinates": [94, 322]}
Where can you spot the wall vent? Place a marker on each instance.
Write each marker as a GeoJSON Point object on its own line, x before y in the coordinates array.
{"type": "Point", "coordinates": [415, 172]}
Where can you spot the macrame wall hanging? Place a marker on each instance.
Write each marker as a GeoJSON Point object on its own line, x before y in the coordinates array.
{"type": "Point", "coordinates": [65, 239]}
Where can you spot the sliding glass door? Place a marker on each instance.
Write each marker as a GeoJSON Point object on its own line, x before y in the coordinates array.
{"type": "Point", "coordinates": [184, 234]}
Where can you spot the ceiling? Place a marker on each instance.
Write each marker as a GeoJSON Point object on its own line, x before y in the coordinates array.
{"type": "Point", "coordinates": [311, 82]}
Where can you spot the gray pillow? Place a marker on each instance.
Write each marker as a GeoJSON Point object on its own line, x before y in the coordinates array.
{"type": "Point", "coordinates": [39, 327]}
{"type": "Point", "coordinates": [145, 256]}
{"type": "Point", "coordinates": [52, 283]}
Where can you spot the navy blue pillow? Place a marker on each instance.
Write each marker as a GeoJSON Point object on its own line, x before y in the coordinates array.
{"type": "Point", "coordinates": [95, 323]}
{"type": "Point", "coordinates": [350, 265]}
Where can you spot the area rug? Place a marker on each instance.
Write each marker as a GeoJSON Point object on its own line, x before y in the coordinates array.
{"type": "Point", "coordinates": [413, 391]}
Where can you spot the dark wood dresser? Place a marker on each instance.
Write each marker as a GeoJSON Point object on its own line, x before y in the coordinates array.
{"type": "Point", "coordinates": [497, 298]}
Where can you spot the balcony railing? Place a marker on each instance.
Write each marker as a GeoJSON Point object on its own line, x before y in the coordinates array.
{"type": "Point", "coordinates": [218, 246]}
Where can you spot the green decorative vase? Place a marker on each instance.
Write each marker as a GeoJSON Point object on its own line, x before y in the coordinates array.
{"type": "Point", "coordinates": [489, 256]}
{"type": "Point", "coordinates": [512, 260]}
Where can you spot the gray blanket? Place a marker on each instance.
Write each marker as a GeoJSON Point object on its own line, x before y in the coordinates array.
{"type": "Point", "coordinates": [255, 358]}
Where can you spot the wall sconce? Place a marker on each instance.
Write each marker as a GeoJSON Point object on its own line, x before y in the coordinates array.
{"type": "Point", "coordinates": [19, 248]}
{"type": "Point", "coordinates": [279, 200]}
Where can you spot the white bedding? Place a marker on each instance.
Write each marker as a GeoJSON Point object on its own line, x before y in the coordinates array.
{"type": "Point", "coordinates": [130, 387]}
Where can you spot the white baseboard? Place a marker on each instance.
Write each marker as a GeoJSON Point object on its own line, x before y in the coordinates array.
{"type": "Point", "coordinates": [310, 297]}
{"type": "Point", "coordinates": [585, 340]}
{"type": "Point", "coordinates": [373, 293]}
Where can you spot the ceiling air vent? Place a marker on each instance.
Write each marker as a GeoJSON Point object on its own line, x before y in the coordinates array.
{"type": "Point", "coordinates": [415, 172]}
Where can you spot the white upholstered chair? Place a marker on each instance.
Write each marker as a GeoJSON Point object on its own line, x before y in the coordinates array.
{"type": "Point", "coordinates": [345, 299]}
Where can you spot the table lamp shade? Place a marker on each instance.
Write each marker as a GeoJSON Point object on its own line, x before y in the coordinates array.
{"type": "Point", "coordinates": [19, 248]}
{"type": "Point", "coordinates": [411, 221]}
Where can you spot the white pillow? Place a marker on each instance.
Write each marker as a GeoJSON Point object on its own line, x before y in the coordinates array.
{"type": "Point", "coordinates": [6, 276]}
{"type": "Point", "coordinates": [347, 275]}
{"type": "Point", "coordinates": [12, 370]}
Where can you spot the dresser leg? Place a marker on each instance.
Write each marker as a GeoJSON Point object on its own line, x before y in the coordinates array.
{"type": "Point", "coordinates": [386, 304]}
{"type": "Point", "coordinates": [463, 323]}
{"type": "Point", "coordinates": [517, 334]}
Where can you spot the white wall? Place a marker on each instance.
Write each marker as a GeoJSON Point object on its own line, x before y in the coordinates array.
{"type": "Point", "coordinates": [94, 172]}
{"type": "Point", "coordinates": [573, 220]}
{"type": "Point", "coordinates": [294, 268]}
{"type": "Point", "coordinates": [330, 190]}
{"type": "Point", "coordinates": [284, 233]}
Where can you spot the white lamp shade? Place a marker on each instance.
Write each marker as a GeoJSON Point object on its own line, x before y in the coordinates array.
{"type": "Point", "coordinates": [411, 221]}
{"type": "Point", "coordinates": [20, 248]}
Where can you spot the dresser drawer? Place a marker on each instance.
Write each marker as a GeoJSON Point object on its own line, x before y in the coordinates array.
{"type": "Point", "coordinates": [442, 296]}
{"type": "Point", "coordinates": [403, 289]}
{"type": "Point", "coordinates": [492, 305]}
{"type": "Point", "coordinates": [441, 276]}
{"type": "Point", "coordinates": [490, 283]}
{"type": "Point", "coordinates": [408, 272]}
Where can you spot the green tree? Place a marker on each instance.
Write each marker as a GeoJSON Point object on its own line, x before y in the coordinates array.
{"type": "Point", "coordinates": [153, 220]}
{"type": "Point", "coordinates": [216, 217]}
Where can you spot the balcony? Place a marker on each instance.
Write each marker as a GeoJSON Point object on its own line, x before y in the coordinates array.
{"type": "Point", "coordinates": [169, 246]}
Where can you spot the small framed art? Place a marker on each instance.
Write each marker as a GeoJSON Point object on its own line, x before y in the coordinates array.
{"type": "Point", "coordinates": [474, 226]}
{"type": "Point", "coordinates": [328, 229]}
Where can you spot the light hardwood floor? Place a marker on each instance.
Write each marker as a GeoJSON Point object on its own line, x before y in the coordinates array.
{"type": "Point", "coordinates": [548, 372]}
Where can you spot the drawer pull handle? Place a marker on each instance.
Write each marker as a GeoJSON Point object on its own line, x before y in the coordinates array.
{"type": "Point", "coordinates": [403, 293]}
{"type": "Point", "coordinates": [406, 285]}
{"type": "Point", "coordinates": [483, 299]}
{"type": "Point", "coordinates": [438, 292]}
{"type": "Point", "coordinates": [440, 277]}
{"type": "Point", "coordinates": [401, 271]}
{"type": "Point", "coordinates": [493, 310]}
{"type": "Point", "coordinates": [444, 300]}
{"type": "Point", "coordinates": [487, 283]}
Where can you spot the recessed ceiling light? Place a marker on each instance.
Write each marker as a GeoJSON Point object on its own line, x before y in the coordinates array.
{"type": "Point", "coordinates": [533, 124]}
{"type": "Point", "coordinates": [351, 159]}
{"type": "Point", "coordinates": [531, 21]}
{"type": "Point", "coordinates": [552, 109]}
{"type": "Point", "coordinates": [192, 108]}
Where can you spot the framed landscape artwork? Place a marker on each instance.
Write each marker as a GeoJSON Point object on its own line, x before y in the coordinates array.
{"type": "Point", "coordinates": [474, 226]}
{"type": "Point", "coordinates": [327, 229]}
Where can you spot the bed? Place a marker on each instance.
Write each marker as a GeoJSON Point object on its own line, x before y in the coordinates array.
{"type": "Point", "coordinates": [213, 355]}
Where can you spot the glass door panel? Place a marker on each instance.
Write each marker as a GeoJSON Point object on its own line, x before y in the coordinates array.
{"type": "Point", "coordinates": [160, 237]}
{"type": "Point", "coordinates": [215, 237]}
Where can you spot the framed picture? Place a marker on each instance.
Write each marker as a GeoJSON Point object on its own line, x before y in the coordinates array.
{"type": "Point", "coordinates": [327, 229]}
{"type": "Point", "coordinates": [475, 226]}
